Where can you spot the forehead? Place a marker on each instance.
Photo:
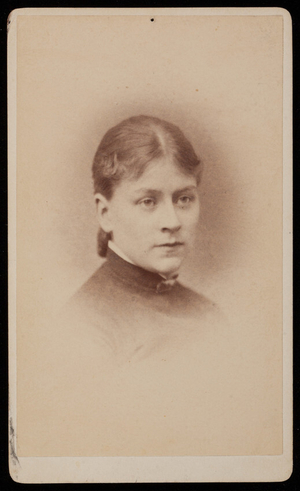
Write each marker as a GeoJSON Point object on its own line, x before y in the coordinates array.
{"type": "Point", "coordinates": [162, 173]}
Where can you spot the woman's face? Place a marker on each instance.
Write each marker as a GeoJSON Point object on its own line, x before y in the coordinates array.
{"type": "Point", "coordinates": [153, 219]}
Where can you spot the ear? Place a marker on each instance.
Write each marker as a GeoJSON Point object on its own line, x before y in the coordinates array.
{"type": "Point", "coordinates": [102, 205]}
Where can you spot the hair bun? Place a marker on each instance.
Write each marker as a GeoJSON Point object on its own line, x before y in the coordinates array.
{"type": "Point", "coordinates": [102, 242]}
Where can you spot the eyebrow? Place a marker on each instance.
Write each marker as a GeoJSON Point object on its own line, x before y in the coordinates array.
{"type": "Point", "coordinates": [146, 191]}
{"type": "Point", "coordinates": [156, 191]}
{"type": "Point", "coordinates": [186, 189]}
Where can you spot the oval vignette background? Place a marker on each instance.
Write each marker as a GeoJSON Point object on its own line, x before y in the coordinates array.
{"type": "Point", "coordinates": [217, 237]}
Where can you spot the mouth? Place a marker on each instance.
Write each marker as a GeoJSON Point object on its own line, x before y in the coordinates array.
{"type": "Point", "coordinates": [171, 244]}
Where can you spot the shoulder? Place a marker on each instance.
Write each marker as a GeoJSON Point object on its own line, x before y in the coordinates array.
{"type": "Point", "coordinates": [182, 302]}
{"type": "Point", "coordinates": [194, 302]}
{"type": "Point", "coordinates": [103, 297]}
{"type": "Point", "coordinates": [88, 297]}
{"type": "Point", "coordinates": [192, 295]}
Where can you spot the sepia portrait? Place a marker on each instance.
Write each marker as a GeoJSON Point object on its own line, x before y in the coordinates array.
{"type": "Point", "coordinates": [150, 333]}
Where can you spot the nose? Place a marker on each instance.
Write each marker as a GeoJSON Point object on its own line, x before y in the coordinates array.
{"type": "Point", "coordinates": [169, 218]}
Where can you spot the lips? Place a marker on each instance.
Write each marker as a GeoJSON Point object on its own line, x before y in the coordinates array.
{"type": "Point", "coordinates": [171, 244]}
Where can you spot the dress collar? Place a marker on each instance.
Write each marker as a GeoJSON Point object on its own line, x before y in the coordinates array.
{"type": "Point", "coordinates": [116, 249]}
{"type": "Point", "coordinates": [129, 273]}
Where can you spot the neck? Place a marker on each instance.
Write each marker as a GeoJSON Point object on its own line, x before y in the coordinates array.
{"type": "Point", "coordinates": [116, 249]}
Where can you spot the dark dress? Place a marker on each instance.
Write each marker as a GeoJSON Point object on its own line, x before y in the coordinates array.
{"type": "Point", "coordinates": [135, 312]}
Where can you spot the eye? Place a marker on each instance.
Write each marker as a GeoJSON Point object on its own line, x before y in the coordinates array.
{"type": "Point", "coordinates": [147, 203]}
{"type": "Point", "coordinates": [184, 200]}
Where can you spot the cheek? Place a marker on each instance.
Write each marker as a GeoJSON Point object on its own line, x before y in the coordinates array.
{"type": "Point", "coordinates": [191, 219]}
{"type": "Point", "coordinates": [129, 223]}
{"type": "Point", "coordinates": [192, 228]}
{"type": "Point", "coordinates": [120, 214]}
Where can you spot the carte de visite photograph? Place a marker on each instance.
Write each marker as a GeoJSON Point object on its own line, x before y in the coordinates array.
{"type": "Point", "coordinates": [150, 232]}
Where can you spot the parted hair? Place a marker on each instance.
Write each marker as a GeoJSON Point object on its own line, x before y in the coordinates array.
{"type": "Point", "coordinates": [126, 150]}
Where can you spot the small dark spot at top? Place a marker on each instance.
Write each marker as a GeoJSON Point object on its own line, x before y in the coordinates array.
{"type": "Point", "coordinates": [152, 20]}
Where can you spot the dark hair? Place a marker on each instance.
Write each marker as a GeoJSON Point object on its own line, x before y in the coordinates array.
{"type": "Point", "coordinates": [126, 150]}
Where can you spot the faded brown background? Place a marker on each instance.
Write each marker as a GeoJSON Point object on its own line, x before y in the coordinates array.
{"type": "Point", "coordinates": [220, 79]}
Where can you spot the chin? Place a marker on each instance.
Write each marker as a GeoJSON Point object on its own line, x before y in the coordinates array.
{"type": "Point", "coordinates": [169, 266]}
